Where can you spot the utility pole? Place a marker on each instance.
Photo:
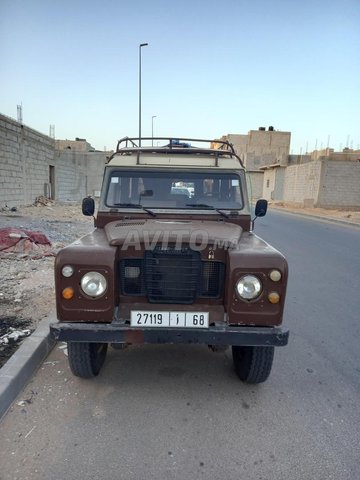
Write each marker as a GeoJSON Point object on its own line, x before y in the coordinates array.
{"type": "Point", "coordinates": [152, 129]}
{"type": "Point", "coordinates": [140, 47]}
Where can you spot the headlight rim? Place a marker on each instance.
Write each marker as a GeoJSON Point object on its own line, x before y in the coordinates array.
{"type": "Point", "coordinates": [254, 298]}
{"type": "Point", "coordinates": [100, 278]}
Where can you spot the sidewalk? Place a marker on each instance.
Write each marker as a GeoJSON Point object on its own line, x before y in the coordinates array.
{"type": "Point", "coordinates": [19, 369]}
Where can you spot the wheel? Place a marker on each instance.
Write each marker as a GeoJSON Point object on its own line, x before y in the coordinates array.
{"type": "Point", "coordinates": [253, 364]}
{"type": "Point", "coordinates": [86, 359]}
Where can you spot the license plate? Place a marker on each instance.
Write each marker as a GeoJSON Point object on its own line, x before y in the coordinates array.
{"type": "Point", "coordinates": [141, 318]}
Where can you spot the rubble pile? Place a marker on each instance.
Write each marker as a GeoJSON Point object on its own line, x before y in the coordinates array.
{"type": "Point", "coordinates": [30, 237]}
{"type": "Point", "coordinates": [12, 332]}
{"type": "Point", "coordinates": [43, 201]}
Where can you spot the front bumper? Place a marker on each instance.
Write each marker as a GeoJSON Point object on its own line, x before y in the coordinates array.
{"type": "Point", "coordinates": [120, 333]}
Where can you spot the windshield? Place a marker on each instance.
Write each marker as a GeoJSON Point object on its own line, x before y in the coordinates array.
{"type": "Point", "coordinates": [174, 189]}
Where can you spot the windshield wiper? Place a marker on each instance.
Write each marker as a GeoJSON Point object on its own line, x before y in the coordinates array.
{"type": "Point", "coordinates": [210, 207]}
{"type": "Point", "coordinates": [135, 205]}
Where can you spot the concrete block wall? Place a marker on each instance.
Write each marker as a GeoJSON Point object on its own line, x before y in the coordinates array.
{"type": "Point", "coordinates": [299, 159]}
{"type": "Point", "coordinates": [273, 185]}
{"type": "Point", "coordinates": [278, 193]}
{"type": "Point", "coordinates": [340, 184]}
{"type": "Point", "coordinates": [268, 147]}
{"type": "Point", "coordinates": [70, 180]}
{"type": "Point", "coordinates": [79, 145]}
{"type": "Point", "coordinates": [38, 156]}
{"type": "Point", "coordinates": [25, 155]}
{"type": "Point", "coordinates": [269, 183]}
{"type": "Point", "coordinates": [78, 174]}
{"type": "Point", "coordinates": [255, 184]}
{"type": "Point", "coordinates": [11, 171]}
{"type": "Point", "coordinates": [25, 159]}
{"type": "Point", "coordinates": [301, 183]}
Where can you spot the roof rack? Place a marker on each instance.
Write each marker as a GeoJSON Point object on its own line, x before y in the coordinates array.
{"type": "Point", "coordinates": [128, 145]}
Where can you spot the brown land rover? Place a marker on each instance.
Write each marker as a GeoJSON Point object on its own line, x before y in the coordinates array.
{"type": "Point", "coordinates": [172, 259]}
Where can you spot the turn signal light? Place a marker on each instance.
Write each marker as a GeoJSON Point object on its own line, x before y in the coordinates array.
{"type": "Point", "coordinates": [274, 297]}
{"type": "Point", "coordinates": [68, 293]}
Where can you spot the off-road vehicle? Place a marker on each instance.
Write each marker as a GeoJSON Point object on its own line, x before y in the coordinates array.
{"type": "Point", "coordinates": [172, 259]}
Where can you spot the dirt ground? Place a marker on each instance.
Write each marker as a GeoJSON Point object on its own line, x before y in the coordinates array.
{"type": "Point", "coordinates": [27, 281]}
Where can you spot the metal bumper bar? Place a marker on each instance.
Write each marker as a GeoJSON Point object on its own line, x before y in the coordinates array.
{"type": "Point", "coordinates": [120, 333]}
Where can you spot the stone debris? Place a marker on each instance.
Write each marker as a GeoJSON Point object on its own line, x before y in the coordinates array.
{"type": "Point", "coordinates": [8, 209]}
{"type": "Point", "coordinates": [13, 330]}
{"type": "Point", "coordinates": [63, 347]}
{"type": "Point", "coordinates": [29, 433]}
{"type": "Point", "coordinates": [13, 335]}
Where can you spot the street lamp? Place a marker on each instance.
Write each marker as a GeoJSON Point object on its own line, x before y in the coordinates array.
{"type": "Point", "coordinates": [152, 129]}
{"type": "Point", "coordinates": [140, 47]}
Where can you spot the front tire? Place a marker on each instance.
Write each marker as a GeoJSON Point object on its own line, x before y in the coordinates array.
{"type": "Point", "coordinates": [253, 364]}
{"type": "Point", "coordinates": [86, 359]}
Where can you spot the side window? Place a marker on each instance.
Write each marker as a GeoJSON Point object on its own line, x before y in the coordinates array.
{"type": "Point", "coordinates": [124, 189]}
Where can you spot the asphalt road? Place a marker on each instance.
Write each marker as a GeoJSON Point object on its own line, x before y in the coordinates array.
{"type": "Point", "coordinates": [179, 412]}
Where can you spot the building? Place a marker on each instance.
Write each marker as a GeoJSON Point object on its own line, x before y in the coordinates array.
{"type": "Point", "coordinates": [33, 164]}
{"type": "Point", "coordinates": [78, 145]}
{"type": "Point", "coordinates": [258, 149]}
{"type": "Point", "coordinates": [322, 178]}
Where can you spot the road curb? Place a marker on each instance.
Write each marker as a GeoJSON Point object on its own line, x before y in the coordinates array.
{"type": "Point", "coordinates": [20, 367]}
{"type": "Point", "coordinates": [316, 217]}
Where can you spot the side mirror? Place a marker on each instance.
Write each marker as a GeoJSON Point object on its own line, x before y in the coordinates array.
{"type": "Point", "coordinates": [88, 206]}
{"type": "Point", "coordinates": [261, 208]}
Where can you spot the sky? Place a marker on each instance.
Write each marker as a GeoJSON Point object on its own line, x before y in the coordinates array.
{"type": "Point", "coordinates": [210, 68]}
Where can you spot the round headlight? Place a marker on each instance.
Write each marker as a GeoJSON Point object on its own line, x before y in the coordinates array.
{"type": "Point", "coordinates": [249, 287]}
{"type": "Point", "coordinates": [67, 271]}
{"type": "Point", "coordinates": [93, 284]}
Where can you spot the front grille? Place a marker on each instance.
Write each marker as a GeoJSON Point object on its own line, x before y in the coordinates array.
{"type": "Point", "coordinates": [131, 276]}
{"type": "Point", "coordinates": [130, 223]}
{"type": "Point", "coordinates": [172, 276]}
{"type": "Point", "coordinates": [212, 279]}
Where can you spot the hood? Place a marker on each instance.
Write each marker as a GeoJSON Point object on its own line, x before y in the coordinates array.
{"type": "Point", "coordinates": [153, 232]}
